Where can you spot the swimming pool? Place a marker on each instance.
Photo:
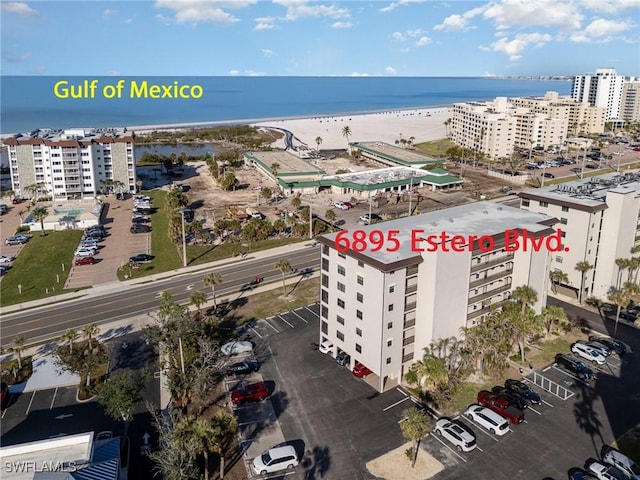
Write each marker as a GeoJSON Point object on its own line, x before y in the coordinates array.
{"type": "Point", "coordinates": [68, 212]}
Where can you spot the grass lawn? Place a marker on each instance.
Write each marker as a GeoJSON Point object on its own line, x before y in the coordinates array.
{"type": "Point", "coordinates": [436, 148]}
{"type": "Point", "coordinates": [37, 265]}
{"type": "Point", "coordinates": [466, 394]}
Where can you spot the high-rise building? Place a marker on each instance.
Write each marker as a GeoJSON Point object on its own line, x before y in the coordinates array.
{"type": "Point", "coordinates": [72, 163]}
{"type": "Point", "coordinates": [445, 270]}
{"type": "Point", "coordinates": [604, 89]}
{"type": "Point", "coordinates": [631, 101]}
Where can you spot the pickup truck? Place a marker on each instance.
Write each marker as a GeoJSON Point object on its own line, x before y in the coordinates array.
{"type": "Point", "coordinates": [500, 406]}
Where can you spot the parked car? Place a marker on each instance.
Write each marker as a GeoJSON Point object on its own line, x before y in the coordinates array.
{"type": "Point", "coordinates": [275, 460]}
{"type": "Point", "coordinates": [576, 473]}
{"type": "Point", "coordinates": [523, 390]}
{"type": "Point", "coordinates": [85, 252]}
{"type": "Point", "coordinates": [326, 347]}
{"type": "Point", "coordinates": [615, 345]}
{"type": "Point", "coordinates": [604, 471]}
{"type": "Point", "coordinates": [548, 175]}
{"type": "Point", "coordinates": [600, 347]}
{"type": "Point", "coordinates": [4, 269]}
{"type": "Point", "coordinates": [501, 406]}
{"type": "Point", "coordinates": [340, 205]}
{"type": "Point", "coordinates": [512, 397]}
{"type": "Point", "coordinates": [89, 242]}
{"type": "Point", "coordinates": [374, 218]}
{"type": "Point", "coordinates": [460, 437]}
{"type": "Point", "coordinates": [588, 353]}
{"type": "Point", "coordinates": [361, 371]}
{"type": "Point", "coordinates": [592, 166]}
{"type": "Point", "coordinates": [141, 219]}
{"type": "Point", "coordinates": [237, 347]}
{"type": "Point", "coordinates": [348, 204]}
{"type": "Point", "coordinates": [487, 419]}
{"type": "Point", "coordinates": [17, 200]}
{"type": "Point", "coordinates": [141, 257]}
{"type": "Point", "coordinates": [255, 392]}
{"type": "Point", "coordinates": [576, 170]}
{"type": "Point", "coordinates": [619, 460]}
{"type": "Point", "coordinates": [242, 368]}
{"type": "Point", "coordinates": [6, 259]}
{"type": "Point", "coordinates": [84, 261]}
{"type": "Point", "coordinates": [140, 228]}
{"type": "Point", "coordinates": [343, 359]}
{"type": "Point", "coordinates": [574, 366]}
{"type": "Point", "coordinates": [16, 240]}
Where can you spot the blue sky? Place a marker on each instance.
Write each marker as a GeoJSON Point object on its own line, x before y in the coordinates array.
{"type": "Point", "coordinates": [317, 38]}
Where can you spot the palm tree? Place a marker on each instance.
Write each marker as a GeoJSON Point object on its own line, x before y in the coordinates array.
{"type": "Point", "coordinates": [525, 295]}
{"type": "Point", "coordinates": [553, 315]}
{"type": "Point", "coordinates": [285, 267]}
{"type": "Point", "coordinates": [139, 185]}
{"type": "Point", "coordinates": [213, 280]}
{"type": "Point", "coordinates": [40, 213]}
{"type": "Point", "coordinates": [205, 435]}
{"type": "Point", "coordinates": [621, 298]}
{"type": "Point", "coordinates": [296, 202]}
{"type": "Point", "coordinates": [90, 332]}
{"type": "Point", "coordinates": [622, 264]}
{"type": "Point", "coordinates": [346, 133]}
{"type": "Point", "coordinates": [17, 347]}
{"type": "Point", "coordinates": [225, 425]}
{"type": "Point", "coordinates": [557, 276]}
{"type": "Point", "coordinates": [447, 122]}
{"type": "Point", "coordinates": [318, 142]}
{"type": "Point", "coordinates": [414, 425]}
{"type": "Point", "coordinates": [198, 298]}
{"type": "Point", "coordinates": [331, 215]}
{"type": "Point", "coordinates": [583, 267]}
{"type": "Point", "coordinates": [70, 336]}
{"type": "Point", "coordinates": [275, 167]}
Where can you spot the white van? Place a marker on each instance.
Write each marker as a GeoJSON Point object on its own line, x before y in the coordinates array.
{"type": "Point", "coordinates": [488, 419]}
{"type": "Point", "coordinates": [274, 460]}
{"type": "Point", "coordinates": [620, 461]}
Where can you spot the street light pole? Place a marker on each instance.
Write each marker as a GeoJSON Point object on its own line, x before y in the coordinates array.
{"type": "Point", "coordinates": [184, 241]}
{"type": "Point", "coordinates": [310, 222]}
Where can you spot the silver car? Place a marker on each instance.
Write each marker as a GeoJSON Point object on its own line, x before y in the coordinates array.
{"type": "Point", "coordinates": [459, 436]}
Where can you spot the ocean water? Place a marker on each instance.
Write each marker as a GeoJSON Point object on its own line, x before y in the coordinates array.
{"type": "Point", "coordinates": [29, 102]}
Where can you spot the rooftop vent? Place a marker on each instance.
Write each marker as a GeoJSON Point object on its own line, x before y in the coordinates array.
{"type": "Point", "coordinates": [485, 212]}
{"type": "Point", "coordinates": [451, 220]}
{"type": "Point", "coordinates": [499, 208]}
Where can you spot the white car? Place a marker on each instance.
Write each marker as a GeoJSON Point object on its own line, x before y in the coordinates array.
{"type": "Point", "coordinates": [6, 259]}
{"type": "Point", "coordinates": [604, 471]}
{"type": "Point", "coordinates": [589, 353]}
{"type": "Point", "coordinates": [234, 348]}
{"type": "Point", "coordinates": [326, 347]}
{"type": "Point", "coordinates": [341, 206]}
{"type": "Point", "coordinates": [488, 419]}
{"type": "Point", "coordinates": [275, 460]}
{"type": "Point", "coordinates": [461, 437]}
{"type": "Point", "coordinates": [85, 252]}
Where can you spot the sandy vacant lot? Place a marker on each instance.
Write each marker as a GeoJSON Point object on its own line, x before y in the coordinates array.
{"type": "Point", "coordinates": [396, 466]}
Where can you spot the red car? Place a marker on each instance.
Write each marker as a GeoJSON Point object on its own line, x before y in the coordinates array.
{"type": "Point", "coordinates": [256, 392]}
{"type": "Point", "coordinates": [348, 204]}
{"type": "Point", "coordinates": [85, 261]}
{"type": "Point", "coordinates": [361, 371]}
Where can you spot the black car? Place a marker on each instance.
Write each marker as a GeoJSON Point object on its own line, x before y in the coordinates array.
{"type": "Point", "coordinates": [343, 359]}
{"type": "Point", "coordinates": [592, 166]}
{"type": "Point", "coordinates": [189, 215]}
{"type": "Point", "coordinates": [242, 368]}
{"type": "Point", "coordinates": [574, 366]}
{"type": "Point", "coordinates": [548, 175]}
{"type": "Point", "coordinates": [139, 228]}
{"type": "Point", "coordinates": [141, 219]}
{"type": "Point", "coordinates": [513, 398]}
{"type": "Point", "coordinates": [615, 345]}
{"type": "Point", "coordinates": [523, 390]}
{"type": "Point", "coordinates": [576, 170]}
{"type": "Point", "coordinates": [141, 257]}
{"type": "Point", "coordinates": [576, 473]}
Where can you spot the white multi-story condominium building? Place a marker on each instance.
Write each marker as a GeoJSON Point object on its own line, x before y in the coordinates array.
{"type": "Point", "coordinates": [383, 308]}
{"type": "Point", "coordinates": [600, 222]}
{"type": "Point", "coordinates": [72, 163]}
{"type": "Point", "coordinates": [536, 129]}
{"type": "Point", "coordinates": [581, 118]}
{"type": "Point", "coordinates": [604, 89]}
{"type": "Point", "coordinates": [631, 101]}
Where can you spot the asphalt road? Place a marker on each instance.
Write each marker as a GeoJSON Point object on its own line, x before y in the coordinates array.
{"type": "Point", "coordinates": [44, 324]}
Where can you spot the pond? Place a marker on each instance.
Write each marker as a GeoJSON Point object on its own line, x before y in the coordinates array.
{"type": "Point", "coordinates": [194, 150]}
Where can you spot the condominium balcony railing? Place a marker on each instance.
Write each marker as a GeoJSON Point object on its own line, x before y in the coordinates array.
{"type": "Point", "coordinates": [492, 263]}
{"type": "Point", "coordinates": [408, 357]}
{"type": "Point", "coordinates": [411, 289]}
{"type": "Point", "coordinates": [490, 293]}
{"type": "Point", "coordinates": [408, 341]}
{"type": "Point", "coordinates": [410, 306]}
{"type": "Point", "coordinates": [409, 323]}
{"type": "Point", "coordinates": [490, 278]}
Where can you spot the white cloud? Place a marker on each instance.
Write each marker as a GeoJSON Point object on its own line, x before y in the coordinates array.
{"type": "Point", "coordinates": [128, 20]}
{"type": "Point", "coordinates": [422, 41]}
{"type": "Point", "coordinates": [342, 25]}
{"type": "Point", "coordinates": [267, 53]}
{"type": "Point", "coordinates": [19, 8]}
{"type": "Point", "coordinates": [108, 13]}
{"type": "Point", "coordinates": [514, 48]}
{"type": "Point", "coordinates": [398, 36]}
{"type": "Point", "coordinates": [357, 74]}
{"type": "Point", "coordinates": [196, 11]}
{"type": "Point", "coordinates": [528, 13]}
{"type": "Point", "coordinates": [390, 70]}
{"type": "Point", "coordinates": [234, 73]}
{"type": "Point", "coordinates": [399, 3]}
{"type": "Point", "coordinates": [251, 73]}
{"type": "Point", "coordinates": [601, 30]}
{"type": "Point", "coordinates": [415, 33]}
{"type": "Point", "coordinates": [13, 58]}
{"type": "Point", "coordinates": [265, 23]}
{"type": "Point", "coordinates": [302, 9]}
{"type": "Point", "coordinates": [459, 22]}
{"type": "Point", "coordinates": [609, 6]}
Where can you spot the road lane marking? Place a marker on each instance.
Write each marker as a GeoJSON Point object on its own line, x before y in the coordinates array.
{"type": "Point", "coordinates": [30, 402]}
{"type": "Point", "coordinates": [282, 318]}
{"type": "Point", "coordinates": [299, 316]}
{"type": "Point", "coordinates": [54, 398]}
{"type": "Point", "coordinates": [394, 404]}
{"type": "Point", "coordinates": [433, 435]}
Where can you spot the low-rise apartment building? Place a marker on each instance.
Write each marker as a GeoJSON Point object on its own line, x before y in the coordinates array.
{"type": "Point", "coordinates": [600, 222]}
{"type": "Point", "coordinates": [384, 307]}
{"type": "Point", "coordinates": [73, 163]}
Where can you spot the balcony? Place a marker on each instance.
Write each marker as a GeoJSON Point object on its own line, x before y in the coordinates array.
{"type": "Point", "coordinates": [490, 293]}
{"type": "Point", "coordinates": [413, 270]}
{"type": "Point", "coordinates": [490, 278]}
{"type": "Point", "coordinates": [491, 263]}
{"type": "Point", "coordinates": [408, 341]}
{"type": "Point", "coordinates": [408, 357]}
{"type": "Point", "coordinates": [409, 323]}
{"type": "Point", "coordinates": [410, 306]}
{"type": "Point", "coordinates": [411, 289]}
{"type": "Point", "coordinates": [477, 313]}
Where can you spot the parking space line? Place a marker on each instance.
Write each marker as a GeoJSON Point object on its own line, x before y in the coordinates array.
{"type": "Point", "coordinates": [55, 392]}
{"type": "Point", "coordinates": [394, 404]}
{"type": "Point", "coordinates": [480, 427]}
{"type": "Point", "coordinates": [30, 402]}
{"type": "Point", "coordinates": [534, 410]}
{"type": "Point", "coordinates": [265, 321]}
{"type": "Point", "coordinates": [293, 311]}
{"type": "Point", "coordinates": [447, 446]}
{"type": "Point", "coordinates": [547, 403]}
{"type": "Point", "coordinates": [254, 331]}
{"type": "Point", "coordinates": [569, 375]}
{"type": "Point", "coordinates": [282, 318]}
{"type": "Point", "coordinates": [314, 313]}
{"type": "Point", "coordinates": [4, 412]}
{"type": "Point", "coordinates": [401, 391]}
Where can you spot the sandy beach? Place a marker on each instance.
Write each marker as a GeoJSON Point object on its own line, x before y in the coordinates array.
{"type": "Point", "coordinates": [422, 124]}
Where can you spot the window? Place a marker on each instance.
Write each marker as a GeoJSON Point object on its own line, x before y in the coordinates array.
{"type": "Point", "coordinates": [358, 332]}
{"type": "Point", "coordinates": [341, 303]}
{"type": "Point", "coordinates": [388, 360]}
{"type": "Point", "coordinates": [341, 287]}
{"type": "Point", "coordinates": [360, 263]}
{"type": "Point", "coordinates": [525, 202]}
{"type": "Point", "coordinates": [563, 234]}
{"type": "Point", "coordinates": [340, 335]}
{"type": "Point", "coordinates": [558, 259]}
{"type": "Point", "coordinates": [324, 311]}
{"type": "Point", "coordinates": [325, 250]}
{"type": "Point", "coordinates": [325, 280]}
{"type": "Point", "coordinates": [389, 342]}
{"type": "Point", "coordinates": [325, 296]}
{"type": "Point", "coordinates": [563, 221]}
{"type": "Point", "coordinates": [359, 297]}
{"type": "Point", "coordinates": [325, 327]}
{"type": "Point", "coordinates": [389, 325]}
{"type": "Point", "coordinates": [342, 255]}
{"type": "Point", "coordinates": [340, 319]}
{"type": "Point", "coordinates": [341, 270]}
{"type": "Point", "coordinates": [358, 348]}
{"type": "Point", "coordinates": [391, 307]}
{"type": "Point", "coordinates": [544, 204]}
{"type": "Point", "coordinates": [325, 264]}
{"type": "Point", "coordinates": [392, 288]}
{"type": "Point", "coordinates": [565, 209]}
{"type": "Point", "coordinates": [359, 314]}
{"type": "Point", "coordinates": [360, 280]}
